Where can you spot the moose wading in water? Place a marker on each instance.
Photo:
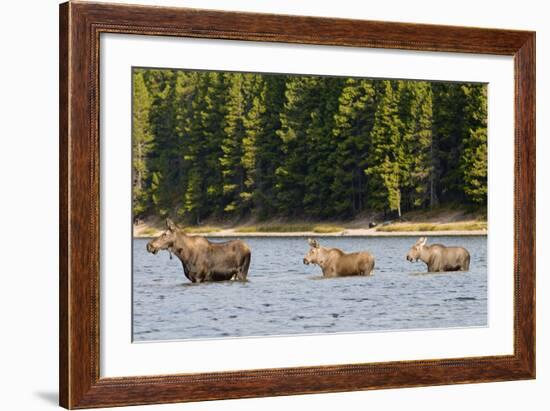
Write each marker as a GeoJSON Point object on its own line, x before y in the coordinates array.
{"type": "Point", "coordinates": [201, 259]}
{"type": "Point", "coordinates": [335, 263]}
{"type": "Point", "coordinates": [438, 257]}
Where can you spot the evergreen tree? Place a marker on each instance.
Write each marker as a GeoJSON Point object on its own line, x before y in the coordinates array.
{"type": "Point", "coordinates": [473, 162]}
{"type": "Point", "coordinates": [417, 171]}
{"type": "Point", "coordinates": [353, 125]}
{"type": "Point", "coordinates": [296, 115]}
{"type": "Point", "coordinates": [164, 153]}
{"type": "Point", "coordinates": [191, 187]}
{"type": "Point", "coordinates": [386, 154]}
{"type": "Point", "coordinates": [142, 140]}
{"type": "Point", "coordinates": [213, 123]}
{"type": "Point", "coordinates": [254, 124]}
{"type": "Point", "coordinates": [232, 145]}
{"type": "Point", "coordinates": [263, 123]}
{"type": "Point", "coordinates": [448, 134]}
{"type": "Point", "coordinates": [202, 147]}
{"type": "Point", "coordinates": [320, 173]}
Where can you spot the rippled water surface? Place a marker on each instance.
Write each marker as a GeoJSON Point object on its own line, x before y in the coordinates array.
{"type": "Point", "coordinates": [283, 296]}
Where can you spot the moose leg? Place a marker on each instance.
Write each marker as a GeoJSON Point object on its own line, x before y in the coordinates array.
{"type": "Point", "coordinates": [242, 271]}
{"type": "Point", "coordinates": [187, 273]}
{"type": "Point", "coordinates": [202, 276]}
{"type": "Point", "coordinates": [466, 264]}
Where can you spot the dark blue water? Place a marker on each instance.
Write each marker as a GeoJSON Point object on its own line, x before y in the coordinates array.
{"type": "Point", "coordinates": [283, 296]}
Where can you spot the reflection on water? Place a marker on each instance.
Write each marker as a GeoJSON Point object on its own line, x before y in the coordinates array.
{"type": "Point", "coordinates": [284, 297]}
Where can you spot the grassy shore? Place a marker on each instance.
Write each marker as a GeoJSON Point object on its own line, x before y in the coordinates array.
{"type": "Point", "coordinates": [432, 222]}
{"type": "Point", "coordinates": [459, 226]}
{"type": "Point", "coordinates": [290, 228]}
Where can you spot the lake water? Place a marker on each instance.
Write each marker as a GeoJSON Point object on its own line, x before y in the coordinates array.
{"type": "Point", "coordinates": [283, 296]}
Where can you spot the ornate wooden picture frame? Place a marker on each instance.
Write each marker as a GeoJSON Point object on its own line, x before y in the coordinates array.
{"type": "Point", "coordinates": [80, 27]}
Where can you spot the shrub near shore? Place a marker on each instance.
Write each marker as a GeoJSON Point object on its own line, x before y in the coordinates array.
{"type": "Point", "coordinates": [290, 228]}
{"type": "Point", "coordinates": [460, 226]}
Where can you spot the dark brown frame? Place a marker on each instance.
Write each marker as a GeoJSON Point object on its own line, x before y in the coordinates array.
{"type": "Point", "coordinates": [80, 27]}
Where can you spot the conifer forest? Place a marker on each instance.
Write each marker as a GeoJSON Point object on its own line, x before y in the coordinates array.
{"type": "Point", "coordinates": [229, 145]}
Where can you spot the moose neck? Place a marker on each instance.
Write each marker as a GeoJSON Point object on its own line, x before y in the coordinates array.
{"type": "Point", "coordinates": [323, 261]}
{"type": "Point", "coordinates": [425, 253]}
{"type": "Point", "coordinates": [179, 248]}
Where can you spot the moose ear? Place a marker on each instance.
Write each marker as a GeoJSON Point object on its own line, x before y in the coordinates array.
{"type": "Point", "coordinates": [313, 243]}
{"type": "Point", "coordinates": [170, 225]}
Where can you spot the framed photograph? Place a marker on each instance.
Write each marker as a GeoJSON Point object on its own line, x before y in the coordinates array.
{"type": "Point", "coordinates": [259, 205]}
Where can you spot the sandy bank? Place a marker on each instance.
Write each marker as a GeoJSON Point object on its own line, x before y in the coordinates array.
{"type": "Point", "coordinates": [351, 232]}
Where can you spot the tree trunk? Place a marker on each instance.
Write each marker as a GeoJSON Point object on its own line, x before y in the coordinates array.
{"type": "Point", "coordinates": [399, 204]}
{"type": "Point", "coordinates": [434, 200]}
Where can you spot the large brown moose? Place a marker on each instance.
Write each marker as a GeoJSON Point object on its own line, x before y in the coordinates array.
{"type": "Point", "coordinates": [438, 257]}
{"type": "Point", "coordinates": [335, 263]}
{"type": "Point", "coordinates": [201, 259]}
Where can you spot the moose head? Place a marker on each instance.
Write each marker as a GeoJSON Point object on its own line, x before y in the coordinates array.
{"type": "Point", "coordinates": [166, 240]}
{"type": "Point", "coordinates": [315, 254]}
{"type": "Point", "coordinates": [416, 249]}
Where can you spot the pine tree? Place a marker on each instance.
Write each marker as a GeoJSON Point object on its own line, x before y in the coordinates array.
{"type": "Point", "coordinates": [232, 145]}
{"type": "Point", "coordinates": [353, 124]}
{"type": "Point", "coordinates": [142, 140]}
{"type": "Point", "coordinates": [386, 154]}
{"type": "Point", "coordinates": [190, 108]}
{"type": "Point", "coordinates": [473, 162]}
{"type": "Point", "coordinates": [186, 93]}
{"type": "Point", "coordinates": [264, 121]}
{"type": "Point", "coordinates": [164, 152]}
{"type": "Point", "coordinates": [415, 101]}
{"type": "Point", "coordinates": [213, 135]}
{"type": "Point", "coordinates": [448, 135]}
{"type": "Point", "coordinates": [296, 115]}
{"type": "Point", "coordinates": [254, 128]}
{"type": "Point", "coordinates": [320, 174]}
{"type": "Point", "coordinates": [202, 147]}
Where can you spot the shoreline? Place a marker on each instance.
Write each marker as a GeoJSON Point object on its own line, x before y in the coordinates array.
{"type": "Point", "coordinates": [351, 232]}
